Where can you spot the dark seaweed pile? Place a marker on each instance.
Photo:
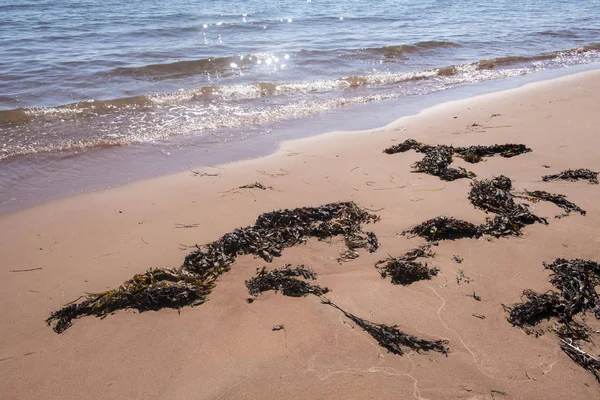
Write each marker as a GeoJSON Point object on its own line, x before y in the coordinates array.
{"type": "Point", "coordinates": [437, 159]}
{"type": "Point", "coordinates": [437, 162]}
{"type": "Point", "coordinates": [405, 270]}
{"type": "Point", "coordinates": [494, 195]}
{"type": "Point", "coordinates": [573, 175]}
{"type": "Point", "coordinates": [559, 199]}
{"type": "Point", "coordinates": [191, 283]}
{"type": "Point", "coordinates": [444, 228]}
{"type": "Point", "coordinates": [474, 154]}
{"type": "Point", "coordinates": [576, 280]}
{"type": "Point", "coordinates": [285, 280]}
{"type": "Point", "coordinates": [391, 338]}
{"type": "Point", "coordinates": [490, 195]}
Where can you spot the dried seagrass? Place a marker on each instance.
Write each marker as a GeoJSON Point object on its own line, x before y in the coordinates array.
{"type": "Point", "coordinates": [405, 270]}
{"type": "Point", "coordinates": [559, 199]}
{"type": "Point", "coordinates": [444, 228]}
{"type": "Point", "coordinates": [391, 338]}
{"type": "Point", "coordinates": [576, 279]}
{"type": "Point", "coordinates": [191, 283]}
{"type": "Point", "coordinates": [574, 175]}
{"type": "Point", "coordinates": [437, 159]}
{"type": "Point", "coordinates": [285, 280]}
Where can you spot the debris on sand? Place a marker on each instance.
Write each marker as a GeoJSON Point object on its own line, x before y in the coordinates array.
{"type": "Point", "coordinates": [191, 283]}
{"type": "Point", "coordinates": [574, 175]}
{"type": "Point", "coordinates": [576, 279]}
{"type": "Point", "coordinates": [474, 296]}
{"type": "Point", "coordinates": [444, 228]}
{"type": "Point", "coordinates": [358, 241]}
{"type": "Point", "coordinates": [256, 185]}
{"type": "Point", "coordinates": [438, 158]}
{"type": "Point", "coordinates": [391, 338]}
{"type": "Point", "coordinates": [559, 199]}
{"type": "Point", "coordinates": [285, 280]}
{"type": "Point", "coordinates": [457, 259]}
{"type": "Point", "coordinates": [278, 328]}
{"type": "Point", "coordinates": [405, 270]}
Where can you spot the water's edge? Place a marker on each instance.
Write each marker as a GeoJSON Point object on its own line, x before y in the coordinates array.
{"type": "Point", "coordinates": [112, 167]}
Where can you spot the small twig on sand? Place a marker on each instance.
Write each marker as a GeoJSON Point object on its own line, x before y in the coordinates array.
{"type": "Point", "coordinates": [274, 175]}
{"type": "Point", "coordinates": [25, 270]}
{"type": "Point", "coordinates": [105, 255]}
{"type": "Point", "coordinates": [203, 173]}
{"type": "Point", "coordinates": [177, 225]}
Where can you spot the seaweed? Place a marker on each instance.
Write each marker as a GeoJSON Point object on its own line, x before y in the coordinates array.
{"type": "Point", "coordinates": [536, 308]}
{"type": "Point", "coordinates": [437, 161]}
{"type": "Point", "coordinates": [474, 154]}
{"type": "Point", "coordinates": [391, 338]}
{"type": "Point", "coordinates": [559, 199]}
{"type": "Point", "coordinates": [445, 228]}
{"type": "Point", "coordinates": [405, 270]}
{"type": "Point", "coordinates": [192, 282]}
{"type": "Point", "coordinates": [576, 279]}
{"type": "Point", "coordinates": [408, 144]}
{"type": "Point", "coordinates": [438, 158]}
{"type": "Point", "coordinates": [150, 291]}
{"type": "Point", "coordinates": [573, 175]}
{"type": "Point", "coordinates": [285, 280]}
{"type": "Point", "coordinates": [494, 195]}
{"type": "Point", "coordinates": [581, 358]}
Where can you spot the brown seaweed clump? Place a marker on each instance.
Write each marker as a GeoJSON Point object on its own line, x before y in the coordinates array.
{"type": "Point", "coordinates": [437, 159]}
{"type": "Point", "coordinates": [474, 154]}
{"type": "Point", "coordinates": [494, 195]}
{"type": "Point", "coordinates": [445, 228]}
{"type": "Point", "coordinates": [559, 199]}
{"type": "Point", "coordinates": [576, 280]}
{"type": "Point", "coordinates": [191, 283]}
{"type": "Point", "coordinates": [285, 280]}
{"type": "Point", "coordinates": [405, 270]}
{"type": "Point", "coordinates": [437, 162]}
{"type": "Point", "coordinates": [391, 338]}
{"type": "Point", "coordinates": [574, 175]}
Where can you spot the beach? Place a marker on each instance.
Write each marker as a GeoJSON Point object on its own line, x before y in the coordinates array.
{"type": "Point", "coordinates": [226, 348]}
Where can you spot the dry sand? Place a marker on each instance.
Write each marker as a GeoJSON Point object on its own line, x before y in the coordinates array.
{"type": "Point", "coordinates": [225, 349]}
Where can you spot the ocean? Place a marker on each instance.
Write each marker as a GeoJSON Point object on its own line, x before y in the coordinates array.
{"type": "Point", "coordinates": [98, 93]}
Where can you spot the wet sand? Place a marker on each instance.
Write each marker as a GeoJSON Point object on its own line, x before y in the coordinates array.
{"type": "Point", "coordinates": [225, 349]}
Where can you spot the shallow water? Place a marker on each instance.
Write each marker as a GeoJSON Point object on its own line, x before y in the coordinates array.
{"type": "Point", "coordinates": [82, 79]}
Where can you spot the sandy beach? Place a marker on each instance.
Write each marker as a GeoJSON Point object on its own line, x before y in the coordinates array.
{"type": "Point", "coordinates": [226, 348]}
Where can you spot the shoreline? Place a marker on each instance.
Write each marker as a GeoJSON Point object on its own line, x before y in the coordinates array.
{"type": "Point", "coordinates": [225, 348]}
{"type": "Point", "coordinates": [115, 167]}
